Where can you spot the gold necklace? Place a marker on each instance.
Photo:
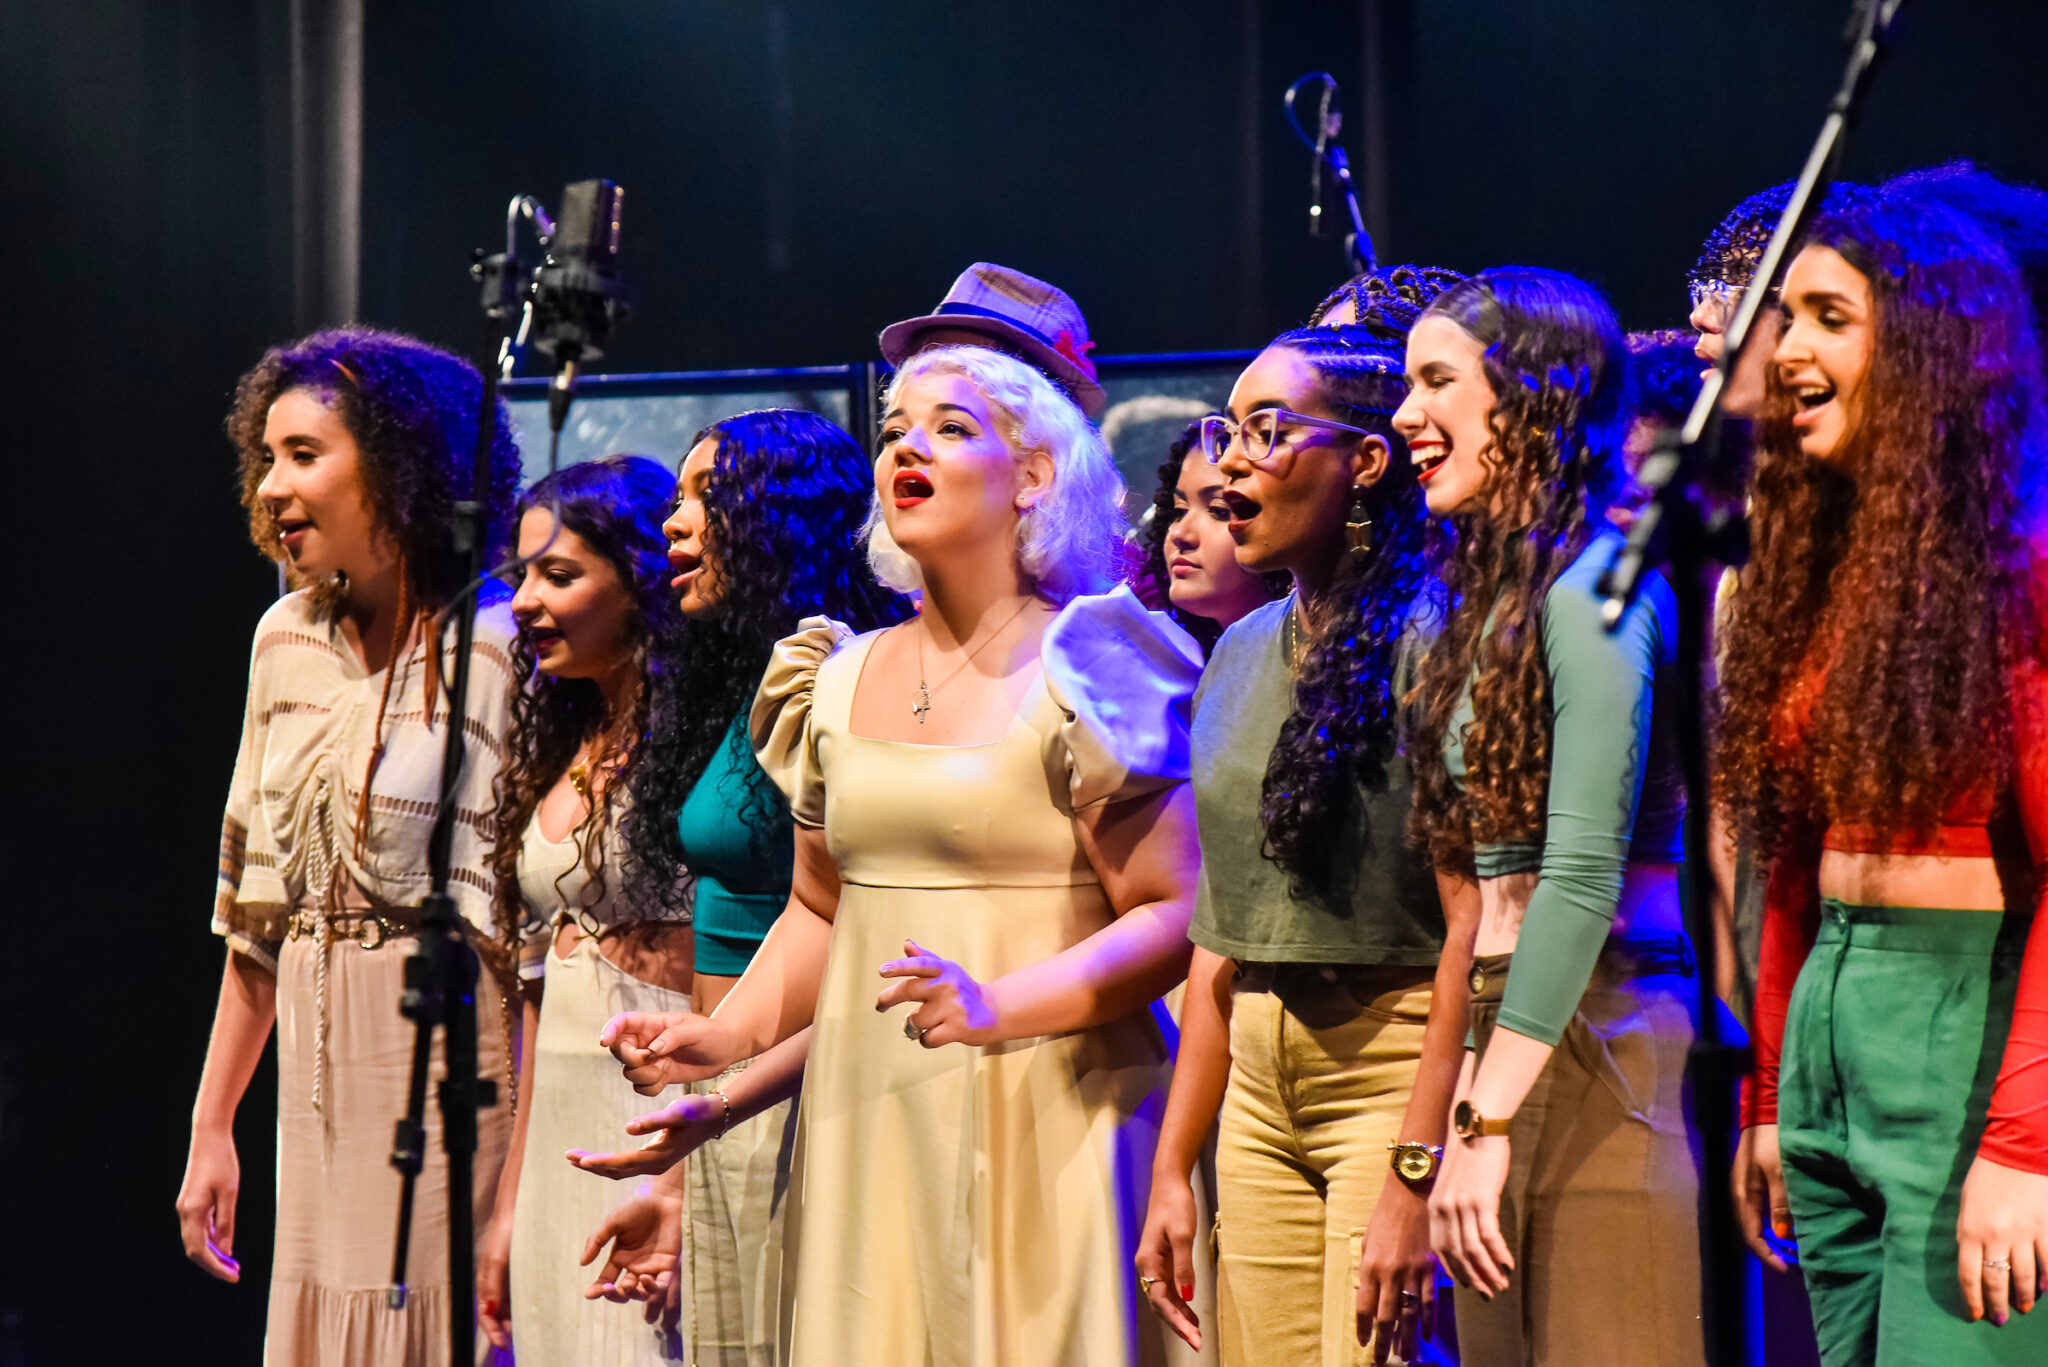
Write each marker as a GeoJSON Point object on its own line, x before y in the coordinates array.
{"type": "Point", "coordinates": [924, 693]}
{"type": "Point", "coordinates": [1295, 648]}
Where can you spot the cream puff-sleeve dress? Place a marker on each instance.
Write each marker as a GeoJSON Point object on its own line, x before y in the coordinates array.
{"type": "Point", "coordinates": [956, 1206]}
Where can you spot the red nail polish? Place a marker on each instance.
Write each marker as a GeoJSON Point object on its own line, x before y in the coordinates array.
{"type": "Point", "coordinates": [1187, 1293]}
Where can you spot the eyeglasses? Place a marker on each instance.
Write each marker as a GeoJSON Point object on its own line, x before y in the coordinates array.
{"type": "Point", "coordinates": [1262, 433]}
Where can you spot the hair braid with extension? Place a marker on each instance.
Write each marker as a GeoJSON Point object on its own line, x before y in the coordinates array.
{"type": "Point", "coordinates": [1344, 728]}
{"type": "Point", "coordinates": [1555, 362]}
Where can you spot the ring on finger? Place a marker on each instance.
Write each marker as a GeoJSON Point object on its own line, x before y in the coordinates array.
{"type": "Point", "coordinates": [1145, 1285]}
{"type": "Point", "coordinates": [912, 1030]}
{"type": "Point", "coordinates": [1998, 1264]}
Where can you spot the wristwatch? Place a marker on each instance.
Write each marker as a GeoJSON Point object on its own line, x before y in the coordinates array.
{"type": "Point", "coordinates": [1414, 1162]}
{"type": "Point", "coordinates": [1471, 1125]}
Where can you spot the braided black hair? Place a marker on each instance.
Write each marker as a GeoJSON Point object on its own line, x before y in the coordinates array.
{"type": "Point", "coordinates": [1345, 727]}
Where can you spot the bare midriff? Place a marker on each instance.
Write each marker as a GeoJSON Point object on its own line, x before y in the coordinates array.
{"type": "Point", "coordinates": [1911, 880]}
{"type": "Point", "coordinates": [657, 952]}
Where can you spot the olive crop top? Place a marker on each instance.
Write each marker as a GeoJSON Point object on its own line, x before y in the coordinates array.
{"type": "Point", "coordinates": [1617, 792]}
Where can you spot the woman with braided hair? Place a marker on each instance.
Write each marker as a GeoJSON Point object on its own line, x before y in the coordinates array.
{"type": "Point", "coordinates": [1324, 1008]}
{"type": "Point", "coordinates": [353, 446]}
{"type": "Point", "coordinates": [1545, 762]}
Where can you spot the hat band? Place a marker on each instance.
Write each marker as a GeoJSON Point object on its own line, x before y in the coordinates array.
{"type": "Point", "coordinates": [978, 311]}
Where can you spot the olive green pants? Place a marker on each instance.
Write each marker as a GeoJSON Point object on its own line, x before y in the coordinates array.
{"type": "Point", "coordinates": [1601, 1202]}
{"type": "Point", "coordinates": [1892, 1042]}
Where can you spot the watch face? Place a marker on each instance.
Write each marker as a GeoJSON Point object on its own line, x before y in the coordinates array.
{"type": "Point", "coordinates": [1414, 1162]}
{"type": "Point", "coordinates": [1464, 1119]}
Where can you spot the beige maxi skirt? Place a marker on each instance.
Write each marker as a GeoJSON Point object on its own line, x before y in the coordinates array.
{"type": "Point", "coordinates": [337, 1193]}
{"type": "Point", "coordinates": [579, 1101]}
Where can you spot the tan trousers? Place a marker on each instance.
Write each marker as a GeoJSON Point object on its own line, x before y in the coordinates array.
{"type": "Point", "coordinates": [738, 1184]}
{"type": "Point", "coordinates": [1601, 1205]}
{"type": "Point", "coordinates": [1322, 1061]}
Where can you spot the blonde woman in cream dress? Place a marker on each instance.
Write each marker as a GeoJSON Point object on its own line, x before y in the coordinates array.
{"type": "Point", "coordinates": [995, 864]}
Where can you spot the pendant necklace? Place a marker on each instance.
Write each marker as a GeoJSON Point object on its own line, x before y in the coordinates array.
{"type": "Point", "coordinates": [924, 693]}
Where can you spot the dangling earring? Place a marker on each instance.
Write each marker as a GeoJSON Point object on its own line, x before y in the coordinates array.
{"type": "Point", "coordinates": [1358, 526]}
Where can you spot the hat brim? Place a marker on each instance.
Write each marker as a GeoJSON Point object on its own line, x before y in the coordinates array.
{"type": "Point", "coordinates": [899, 343]}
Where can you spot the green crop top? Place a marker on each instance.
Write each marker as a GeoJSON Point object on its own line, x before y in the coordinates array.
{"type": "Point", "coordinates": [1245, 907]}
{"type": "Point", "coordinates": [1616, 790]}
{"type": "Point", "coordinates": [742, 883]}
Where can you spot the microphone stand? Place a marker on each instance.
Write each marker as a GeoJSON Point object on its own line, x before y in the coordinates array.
{"type": "Point", "coordinates": [1327, 151]}
{"type": "Point", "coordinates": [441, 975]}
{"type": "Point", "coordinates": [1676, 530]}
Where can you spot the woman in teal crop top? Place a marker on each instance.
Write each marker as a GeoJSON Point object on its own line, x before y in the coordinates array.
{"type": "Point", "coordinates": [1540, 762]}
{"type": "Point", "coordinates": [766, 532]}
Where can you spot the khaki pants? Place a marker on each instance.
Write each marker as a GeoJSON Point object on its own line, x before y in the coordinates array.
{"type": "Point", "coordinates": [1322, 1061]}
{"type": "Point", "coordinates": [1601, 1206]}
{"type": "Point", "coordinates": [738, 1184]}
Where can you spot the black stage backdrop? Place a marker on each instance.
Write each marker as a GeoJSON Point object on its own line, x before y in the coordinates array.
{"type": "Point", "coordinates": [798, 174]}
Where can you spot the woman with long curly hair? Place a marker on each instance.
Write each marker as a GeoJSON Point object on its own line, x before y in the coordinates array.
{"type": "Point", "coordinates": [354, 445]}
{"type": "Point", "coordinates": [1189, 553]}
{"type": "Point", "coordinates": [990, 804]}
{"type": "Point", "coordinates": [1320, 935]}
{"type": "Point", "coordinates": [1882, 731]}
{"type": "Point", "coordinates": [596, 621]}
{"type": "Point", "coordinates": [1545, 763]}
{"type": "Point", "coordinates": [766, 532]}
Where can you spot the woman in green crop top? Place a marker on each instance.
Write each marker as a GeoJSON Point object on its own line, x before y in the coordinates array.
{"type": "Point", "coordinates": [1312, 1034]}
{"type": "Point", "coordinates": [766, 532]}
{"type": "Point", "coordinates": [1543, 760]}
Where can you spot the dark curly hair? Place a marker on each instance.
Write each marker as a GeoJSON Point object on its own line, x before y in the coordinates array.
{"type": "Point", "coordinates": [2016, 215]}
{"type": "Point", "coordinates": [1387, 302]}
{"type": "Point", "coordinates": [411, 408]}
{"type": "Point", "coordinates": [1344, 729]}
{"type": "Point", "coordinates": [615, 506]}
{"type": "Point", "coordinates": [1159, 525]}
{"type": "Point", "coordinates": [1554, 360]}
{"type": "Point", "coordinates": [784, 507]}
{"type": "Point", "coordinates": [1734, 248]}
{"type": "Point", "coordinates": [1897, 571]}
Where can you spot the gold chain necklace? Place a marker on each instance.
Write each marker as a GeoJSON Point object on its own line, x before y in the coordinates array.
{"type": "Point", "coordinates": [924, 693]}
{"type": "Point", "coordinates": [1294, 642]}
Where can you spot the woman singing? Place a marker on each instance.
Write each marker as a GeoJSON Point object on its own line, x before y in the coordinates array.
{"type": "Point", "coordinates": [353, 443]}
{"type": "Point", "coordinates": [993, 830]}
{"type": "Point", "coordinates": [1883, 736]}
{"type": "Point", "coordinates": [592, 929]}
{"type": "Point", "coordinates": [1545, 761]}
{"type": "Point", "coordinates": [1318, 931]}
{"type": "Point", "coordinates": [766, 531]}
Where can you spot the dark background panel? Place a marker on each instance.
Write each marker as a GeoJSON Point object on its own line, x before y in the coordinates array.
{"type": "Point", "coordinates": [798, 175]}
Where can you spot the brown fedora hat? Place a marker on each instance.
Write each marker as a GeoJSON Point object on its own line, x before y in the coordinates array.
{"type": "Point", "coordinates": [1029, 318]}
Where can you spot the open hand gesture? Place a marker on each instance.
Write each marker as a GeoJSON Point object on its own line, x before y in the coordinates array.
{"type": "Point", "coordinates": [675, 1131]}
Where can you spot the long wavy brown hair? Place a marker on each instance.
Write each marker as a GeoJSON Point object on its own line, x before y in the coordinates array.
{"type": "Point", "coordinates": [616, 507]}
{"type": "Point", "coordinates": [1899, 569]}
{"type": "Point", "coordinates": [1555, 361]}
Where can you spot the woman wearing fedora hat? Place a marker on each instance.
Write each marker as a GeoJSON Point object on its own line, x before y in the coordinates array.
{"type": "Point", "coordinates": [994, 831]}
{"type": "Point", "coordinates": [1008, 311]}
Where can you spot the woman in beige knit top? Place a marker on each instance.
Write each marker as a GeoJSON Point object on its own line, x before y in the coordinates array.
{"type": "Point", "coordinates": [352, 445]}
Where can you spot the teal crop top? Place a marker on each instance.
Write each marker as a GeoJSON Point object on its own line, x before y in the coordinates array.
{"type": "Point", "coordinates": [742, 883]}
{"type": "Point", "coordinates": [1617, 792]}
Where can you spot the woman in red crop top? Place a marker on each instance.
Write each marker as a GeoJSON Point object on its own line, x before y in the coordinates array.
{"type": "Point", "coordinates": [1884, 735]}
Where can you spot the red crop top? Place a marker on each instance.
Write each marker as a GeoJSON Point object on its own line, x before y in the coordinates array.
{"type": "Point", "coordinates": [2016, 1128]}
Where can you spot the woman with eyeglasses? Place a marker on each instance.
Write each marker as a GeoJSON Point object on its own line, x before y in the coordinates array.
{"type": "Point", "coordinates": [1546, 762]}
{"type": "Point", "coordinates": [1324, 1016]}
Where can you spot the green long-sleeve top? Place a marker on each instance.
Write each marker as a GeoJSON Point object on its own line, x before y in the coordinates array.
{"type": "Point", "coordinates": [1616, 790]}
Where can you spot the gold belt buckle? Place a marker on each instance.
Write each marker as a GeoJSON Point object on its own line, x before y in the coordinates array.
{"type": "Point", "coordinates": [1478, 980]}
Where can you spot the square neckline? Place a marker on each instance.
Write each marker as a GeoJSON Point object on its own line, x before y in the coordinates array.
{"type": "Point", "coordinates": [867, 646]}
